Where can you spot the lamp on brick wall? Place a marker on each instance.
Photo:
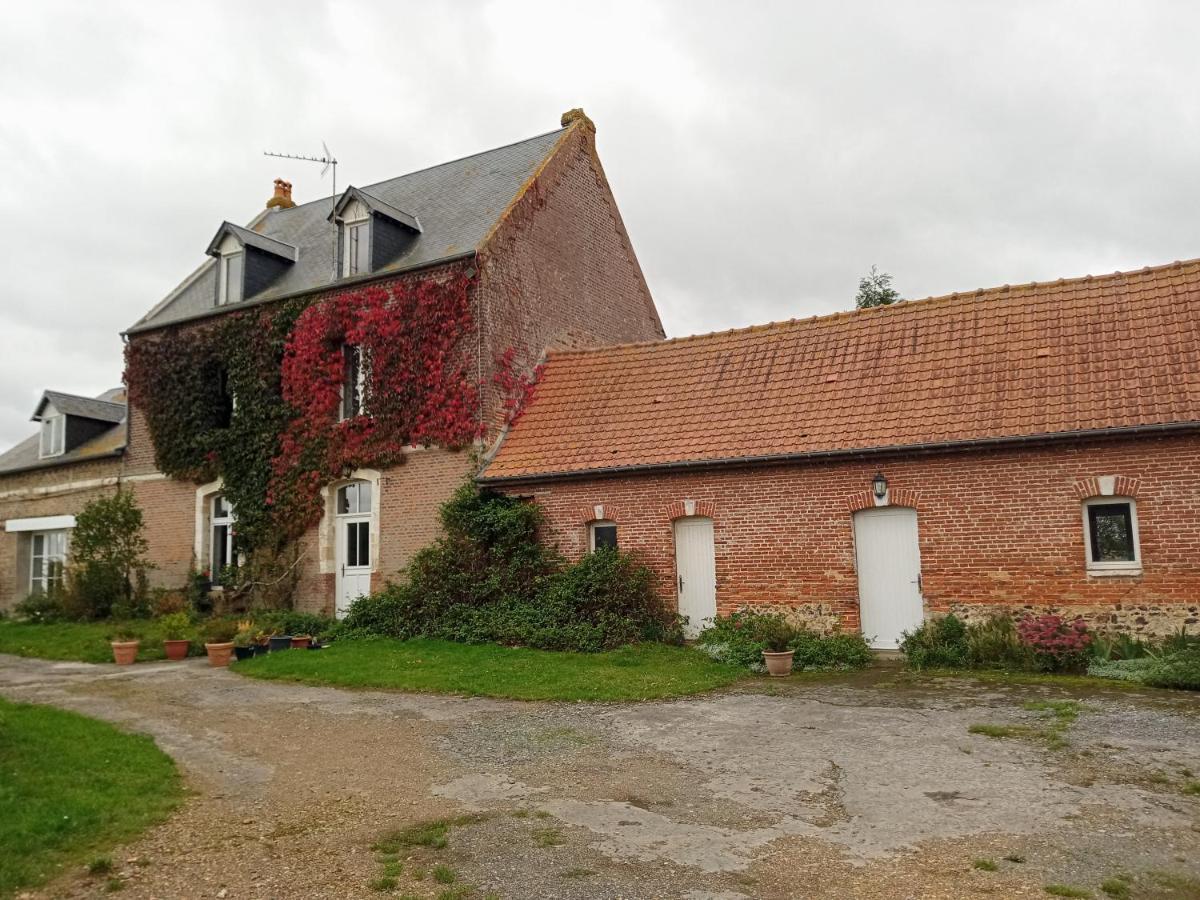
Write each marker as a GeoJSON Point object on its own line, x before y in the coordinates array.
{"type": "Point", "coordinates": [879, 486]}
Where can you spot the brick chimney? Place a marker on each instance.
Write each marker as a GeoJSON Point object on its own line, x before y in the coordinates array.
{"type": "Point", "coordinates": [283, 195]}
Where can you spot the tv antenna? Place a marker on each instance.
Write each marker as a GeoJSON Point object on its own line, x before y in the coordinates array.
{"type": "Point", "coordinates": [328, 161]}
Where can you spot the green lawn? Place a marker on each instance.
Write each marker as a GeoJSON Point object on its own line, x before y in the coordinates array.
{"type": "Point", "coordinates": [641, 672]}
{"type": "Point", "coordinates": [72, 788]}
{"type": "Point", "coordinates": [81, 641]}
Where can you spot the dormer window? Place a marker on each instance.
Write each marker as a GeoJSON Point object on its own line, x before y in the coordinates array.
{"type": "Point", "coordinates": [229, 288]}
{"type": "Point", "coordinates": [54, 435]}
{"type": "Point", "coordinates": [356, 241]}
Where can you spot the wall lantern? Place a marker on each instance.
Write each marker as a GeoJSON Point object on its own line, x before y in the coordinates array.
{"type": "Point", "coordinates": [879, 485]}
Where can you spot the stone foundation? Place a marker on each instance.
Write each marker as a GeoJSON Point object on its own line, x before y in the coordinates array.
{"type": "Point", "coordinates": [1153, 620]}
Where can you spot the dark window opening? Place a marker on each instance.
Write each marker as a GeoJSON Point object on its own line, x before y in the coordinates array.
{"type": "Point", "coordinates": [604, 536]}
{"type": "Point", "coordinates": [352, 382]}
{"type": "Point", "coordinates": [1110, 527]}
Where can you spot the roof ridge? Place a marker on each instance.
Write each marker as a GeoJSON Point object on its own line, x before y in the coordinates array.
{"type": "Point", "coordinates": [82, 397]}
{"type": "Point", "coordinates": [448, 162]}
{"type": "Point", "coordinates": [903, 304]}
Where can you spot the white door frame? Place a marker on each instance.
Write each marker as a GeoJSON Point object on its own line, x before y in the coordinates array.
{"type": "Point", "coordinates": [353, 576]}
{"type": "Point", "coordinates": [887, 552]}
{"type": "Point", "coordinates": [695, 572]}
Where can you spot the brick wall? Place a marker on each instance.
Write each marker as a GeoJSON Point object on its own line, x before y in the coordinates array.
{"type": "Point", "coordinates": [560, 271]}
{"type": "Point", "coordinates": [52, 491]}
{"type": "Point", "coordinates": [996, 529]}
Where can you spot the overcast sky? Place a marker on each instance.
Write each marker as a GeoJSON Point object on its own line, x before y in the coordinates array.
{"type": "Point", "coordinates": [764, 155]}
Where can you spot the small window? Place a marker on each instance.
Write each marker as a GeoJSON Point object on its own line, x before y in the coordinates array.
{"type": "Point", "coordinates": [602, 534]}
{"type": "Point", "coordinates": [354, 499]}
{"type": "Point", "coordinates": [355, 366]}
{"type": "Point", "coordinates": [1111, 534]}
{"type": "Point", "coordinates": [221, 550]}
{"type": "Point", "coordinates": [356, 248]}
{"type": "Point", "coordinates": [47, 560]}
{"type": "Point", "coordinates": [229, 284]}
{"type": "Point", "coordinates": [54, 433]}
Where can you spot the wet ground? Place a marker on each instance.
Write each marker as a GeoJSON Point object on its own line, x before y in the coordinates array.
{"type": "Point", "coordinates": [870, 785]}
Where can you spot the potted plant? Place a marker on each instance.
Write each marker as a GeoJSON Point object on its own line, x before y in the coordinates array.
{"type": "Point", "coordinates": [124, 647]}
{"type": "Point", "coordinates": [280, 642]}
{"type": "Point", "coordinates": [260, 643]}
{"type": "Point", "coordinates": [177, 635]}
{"type": "Point", "coordinates": [777, 636]}
{"type": "Point", "coordinates": [301, 641]}
{"type": "Point", "coordinates": [219, 643]}
{"type": "Point", "coordinates": [244, 641]}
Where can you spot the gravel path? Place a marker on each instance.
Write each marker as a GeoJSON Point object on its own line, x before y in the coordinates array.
{"type": "Point", "coordinates": [856, 786]}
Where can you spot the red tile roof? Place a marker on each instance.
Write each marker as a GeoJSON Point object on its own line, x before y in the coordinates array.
{"type": "Point", "coordinates": [1095, 353]}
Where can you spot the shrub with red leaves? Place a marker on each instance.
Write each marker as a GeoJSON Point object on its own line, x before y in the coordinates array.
{"type": "Point", "coordinates": [1058, 645]}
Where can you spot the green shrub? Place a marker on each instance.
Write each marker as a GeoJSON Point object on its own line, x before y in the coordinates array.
{"type": "Point", "coordinates": [1134, 670]}
{"type": "Point", "coordinates": [1178, 670]}
{"type": "Point", "coordinates": [488, 579]}
{"type": "Point", "coordinates": [41, 606]}
{"type": "Point", "coordinates": [177, 627]}
{"type": "Point", "coordinates": [740, 638]}
{"type": "Point", "coordinates": [106, 569]}
{"type": "Point", "coordinates": [996, 644]}
{"type": "Point", "coordinates": [936, 644]}
{"type": "Point", "coordinates": [288, 621]}
{"type": "Point", "coordinates": [220, 631]}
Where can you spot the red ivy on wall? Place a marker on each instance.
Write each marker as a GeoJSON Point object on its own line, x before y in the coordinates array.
{"type": "Point", "coordinates": [416, 373]}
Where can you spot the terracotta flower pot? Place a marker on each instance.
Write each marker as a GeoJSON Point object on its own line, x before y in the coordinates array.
{"type": "Point", "coordinates": [125, 652]}
{"type": "Point", "coordinates": [301, 642]}
{"type": "Point", "coordinates": [177, 649]}
{"type": "Point", "coordinates": [779, 663]}
{"type": "Point", "coordinates": [219, 654]}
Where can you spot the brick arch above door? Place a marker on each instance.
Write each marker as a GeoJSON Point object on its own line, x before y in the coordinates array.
{"type": "Point", "coordinates": [1107, 486]}
{"type": "Point", "coordinates": [895, 497]}
{"type": "Point", "coordinates": [682, 508]}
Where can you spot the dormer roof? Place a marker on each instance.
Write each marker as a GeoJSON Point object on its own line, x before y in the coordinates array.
{"type": "Point", "coordinates": [248, 238]}
{"type": "Point", "coordinates": [93, 408]}
{"type": "Point", "coordinates": [375, 205]}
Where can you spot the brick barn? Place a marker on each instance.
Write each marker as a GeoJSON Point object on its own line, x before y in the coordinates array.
{"type": "Point", "coordinates": [1020, 448]}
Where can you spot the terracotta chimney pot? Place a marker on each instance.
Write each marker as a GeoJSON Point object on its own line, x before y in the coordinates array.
{"type": "Point", "coordinates": [283, 195]}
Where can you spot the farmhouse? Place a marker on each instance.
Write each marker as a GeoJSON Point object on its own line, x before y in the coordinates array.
{"type": "Point", "coordinates": [73, 456]}
{"type": "Point", "coordinates": [1020, 448]}
{"type": "Point", "coordinates": [304, 401]}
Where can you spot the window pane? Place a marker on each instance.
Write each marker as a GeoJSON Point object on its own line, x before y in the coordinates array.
{"type": "Point", "coordinates": [220, 507]}
{"type": "Point", "coordinates": [364, 543]}
{"type": "Point", "coordinates": [220, 551]}
{"type": "Point", "coordinates": [351, 544]}
{"type": "Point", "coordinates": [604, 536]}
{"type": "Point", "coordinates": [233, 278]}
{"type": "Point", "coordinates": [351, 382]}
{"type": "Point", "coordinates": [364, 496]}
{"type": "Point", "coordinates": [1112, 532]}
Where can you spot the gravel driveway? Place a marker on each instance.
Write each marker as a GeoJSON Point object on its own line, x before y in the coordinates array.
{"type": "Point", "coordinates": [867, 785]}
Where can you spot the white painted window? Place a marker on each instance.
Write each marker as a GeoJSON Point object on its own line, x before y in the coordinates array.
{"type": "Point", "coordinates": [354, 502]}
{"type": "Point", "coordinates": [354, 499]}
{"type": "Point", "coordinates": [1110, 530]}
{"type": "Point", "coordinates": [47, 560]}
{"type": "Point", "coordinates": [356, 366]}
{"type": "Point", "coordinates": [221, 525]}
{"type": "Point", "coordinates": [602, 534]}
{"type": "Point", "coordinates": [356, 247]}
{"type": "Point", "coordinates": [229, 278]}
{"type": "Point", "coordinates": [54, 435]}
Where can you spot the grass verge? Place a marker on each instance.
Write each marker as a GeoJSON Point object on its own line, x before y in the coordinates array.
{"type": "Point", "coordinates": [71, 788]}
{"type": "Point", "coordinates": [81, 641]}
{"type": "Point", "coordinates": [640, 672]}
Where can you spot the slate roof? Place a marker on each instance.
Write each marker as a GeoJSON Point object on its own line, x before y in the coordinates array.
{"type": "Point", "coordinates": [456, 202]}
{"type": "Point", "coordinates": [110, 442]}
{"type": "Point", "coordinates": [1081, 355]}
{"type": "Point", "coordinates": [97, 408]}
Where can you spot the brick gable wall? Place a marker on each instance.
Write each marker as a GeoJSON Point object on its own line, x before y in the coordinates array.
{"type": "Point", "coordinates": [997, 529]}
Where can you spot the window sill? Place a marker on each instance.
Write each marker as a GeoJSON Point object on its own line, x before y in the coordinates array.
{"type": "Point", "coordinates": [1125, 571]}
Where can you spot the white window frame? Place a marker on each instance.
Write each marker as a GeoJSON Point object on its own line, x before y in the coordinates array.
{"type": "Point", "coordinates": [361, 382]}
{"type": "Point", "coordinates": [44, 582]}
{"type": "Point", "coordinates": [224, 296]}
{"type": "Point", "coordinates": [600, 523]}
{"type": "Point", "coordinates": [353, 230]}
{"type": "Point", "coordinates": [358, 515]}
{"type": "Point", "coordinates": [1112, 567]}
{"type": "Point", "coordinates": [53, 439]}
{"type": "Point", "coordinates": [227, 521]}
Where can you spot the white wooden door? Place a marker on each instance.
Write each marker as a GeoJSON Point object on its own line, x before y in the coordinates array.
{"type": "Point", "coordinates": [889, 574]}
{"type": "Point", "coordinates": [354, 560]}
{"type": "Point", "coordinates": [696, 572]}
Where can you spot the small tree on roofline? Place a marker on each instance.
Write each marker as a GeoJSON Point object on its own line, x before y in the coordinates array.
{"type": "Point", "coordinates": [875, 289]}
